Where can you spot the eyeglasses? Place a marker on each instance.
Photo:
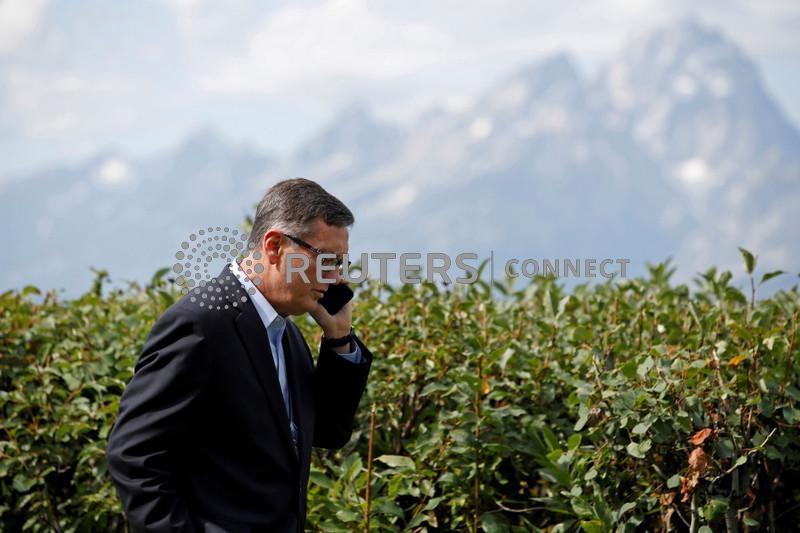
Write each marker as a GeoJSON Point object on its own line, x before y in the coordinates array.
{"type": "Point", "coordinates": [337, 261]}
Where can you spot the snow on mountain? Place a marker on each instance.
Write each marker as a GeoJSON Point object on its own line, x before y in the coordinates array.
{"type": "Point", "coordinates": [696, 104]}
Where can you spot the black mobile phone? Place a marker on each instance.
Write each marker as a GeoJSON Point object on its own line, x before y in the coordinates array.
{"type": "Point", "coordinates": [335, 297]}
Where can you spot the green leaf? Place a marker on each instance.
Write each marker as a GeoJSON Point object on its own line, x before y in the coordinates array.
{"type": "Point", "coordinates": [390, 508]}
{"type": "Point", "coordinates": [593, 526]}
{"type": "Point", "coordinates": [749, 260]}
{"type": "Point", "coordinates": [494, 523]}
{"type": "Point", "coordinates": [417, 520]}
{"type": "Point", "coordinates": [645, 367]}
{"type": "Point", "coordinates": [581, 507]}
{"type": "Point", "coordinates": [434, 503]}
{"type": "Point", "coordinates": [30, 289]}
{"type": "Point", "coordinates": [794, 392]}
{"type": "Point", "coordinates": [318, 478]}
{"type": "Point", "coordinates": [155, 281]}
{"type": "Point", "coordinates": [629, 369]}
{"type": "Point", "coordinates": [583, 417]}
{"type": "Point", "coordinates": [582, 334]}
{"type": "Point", "coordinates": [23, 483]}
{"type": "Point", "coordinates": [791, 415]}
{"type": "Point", "coordinates": [769, 275]}
{"type": "Point", "coordinates": [716, 507]}
{"type": "Point", "coordinates": [348, 516]}
{"type": "Point", "coordinates": [639, 449]}
{"type": "Point", "coordinates": [674, 481]}
{"type": "Point", "coordinates": [505, 357]}
{"type": "Point", "coordinates": [397, 461]}
{"type": "Point", "coordinates": [351, 466]}
{"type": "Point", "coordinates": [633, 449]}
{"type": "Point", "coordinates": [724, 448]}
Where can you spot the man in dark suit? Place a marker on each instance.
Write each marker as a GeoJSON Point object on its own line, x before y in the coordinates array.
{"type": "Point", "coordinates": [215, 428]}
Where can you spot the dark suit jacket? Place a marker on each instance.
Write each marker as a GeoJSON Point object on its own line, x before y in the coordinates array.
{"type": "Point", "coordinates": [202, 440]}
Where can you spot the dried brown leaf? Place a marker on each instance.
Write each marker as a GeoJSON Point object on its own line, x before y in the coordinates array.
{"type": "Point", "coordinates": [698, 464]}
{"type": "Point", "coordinates": [700, 437]}
{"type": "Point", "coordinates": [666, 498]}
{"type": "Point", "coordinates": [698, 460]}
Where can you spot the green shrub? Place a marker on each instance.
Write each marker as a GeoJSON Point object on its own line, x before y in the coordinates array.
{"type": "Point", "coordinates": [633, 405]}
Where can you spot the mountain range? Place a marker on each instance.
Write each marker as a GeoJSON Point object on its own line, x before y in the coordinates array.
{"type": "Point", "coordinates": [674, 149]}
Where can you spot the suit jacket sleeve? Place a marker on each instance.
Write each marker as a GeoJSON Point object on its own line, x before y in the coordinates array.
{"type": "Point", "coordinates": [338, 387]}
{"type": "Point", "coordinates": [154, 412]}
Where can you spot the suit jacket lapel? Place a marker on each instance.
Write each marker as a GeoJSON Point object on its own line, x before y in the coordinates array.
{"type": "Point", "coordinates": [254, 337]}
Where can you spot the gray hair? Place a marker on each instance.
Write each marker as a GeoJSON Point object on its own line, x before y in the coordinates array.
{"type": "Point", "coordinates": [292, 205]}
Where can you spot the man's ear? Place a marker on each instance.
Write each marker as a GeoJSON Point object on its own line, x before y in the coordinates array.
{"type": "Point", "coordinates": [272, 245]}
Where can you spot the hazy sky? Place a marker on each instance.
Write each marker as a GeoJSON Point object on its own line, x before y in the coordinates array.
{"type": "Point", "coordinates": [80, 75]}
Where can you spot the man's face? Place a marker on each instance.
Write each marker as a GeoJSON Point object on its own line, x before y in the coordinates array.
{"type": "Point", "coordinates": [299, 296]}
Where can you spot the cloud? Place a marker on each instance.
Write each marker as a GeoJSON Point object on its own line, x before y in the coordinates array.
{"type": "Point", "coordinates": [203, 19]}
{"type": "Point", "coordinates": [403, 60]}
{"type": "Point", "coordinates": [48, 104]}
{"type": "Point", "coordinates": [176, 63]}
{"type": "Point", "coordinates": [18, 19]}
{"type": "Point", "coordinates": [341, 39]}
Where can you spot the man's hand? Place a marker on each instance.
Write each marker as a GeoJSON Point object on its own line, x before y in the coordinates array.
{"type": "Point", "coordinates": [334, 326]}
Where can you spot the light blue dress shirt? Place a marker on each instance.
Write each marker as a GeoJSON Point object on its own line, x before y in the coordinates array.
{"type": "Point", "coordinates": [275, 325]}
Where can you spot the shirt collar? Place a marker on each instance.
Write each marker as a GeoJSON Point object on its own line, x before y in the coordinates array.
{"type": "Point", "coordinates": [273, 322]}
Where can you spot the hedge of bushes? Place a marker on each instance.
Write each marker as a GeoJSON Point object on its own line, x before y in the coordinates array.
{"type": "Point", "coordinates": [630, 405]}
